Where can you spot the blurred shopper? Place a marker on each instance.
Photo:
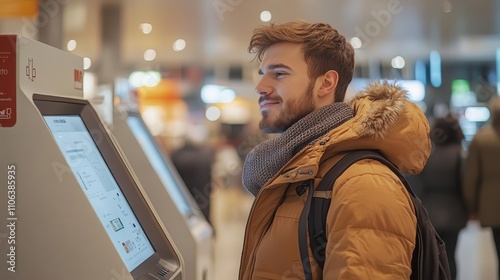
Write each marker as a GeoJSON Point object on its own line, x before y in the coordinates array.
{"type": "Point", "coordinates": [439, 185]}
{"type": "Point", "coordinates": [305, 69]}
{"type": "Point", "coordinates": [194, 164]}
{"type": "Point", "coordinates": [482, 174]}
{"type": "Point", "coordinates": [228, 162]}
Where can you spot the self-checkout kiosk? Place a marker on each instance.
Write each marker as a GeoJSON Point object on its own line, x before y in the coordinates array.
{"type": "Point", "coordinates": [70, 207]}
{"type": "Point", "coordinates": [175, 205]}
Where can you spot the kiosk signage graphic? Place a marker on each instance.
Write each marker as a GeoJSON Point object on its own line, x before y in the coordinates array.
{"type": "Point", "coordinates": [7, 81]}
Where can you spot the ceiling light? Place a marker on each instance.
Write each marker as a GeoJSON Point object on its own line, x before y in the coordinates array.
{"type": "Point", "coordinates": [227, 95]}
{"type": "Point", "coordinates": [265, 16]}
{"type": "Point", "coordinates": [86, 63]}
{"type": "Point", "coordinates": [477, 114]}
{"type": "Point", "coordinates": [356, 42]}
{"type": "Point", "coordinates": [435, 68]}
{"type": "Point", "coordinates": [146, 28]}
{"type": "Point", "coordinates": [212, 113]}
{"type": "Point", "coordinates": [136, 79]}
{"type": "Point", "coordinates": [151, 78]}
{"type": "Point", "coordinates": [414, 88]}
{"type": "Point", "coordinates": [179, 45]}
{"type": "Point", "coordinates": [398, 62]}
{"type": "Point", "coordinates": [217, 94]}
{"type": "Point", "coordinates": [149, 55]}
{"type": "Point", "coordinates": [420, 71]}
{"type": "Point", "coordinates": [71, 45]}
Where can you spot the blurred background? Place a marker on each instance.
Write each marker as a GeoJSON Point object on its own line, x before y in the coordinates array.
{"type": "Point", "coordinates": [185, 63]}
{"type": "Point", "coordinates": [184, 66]}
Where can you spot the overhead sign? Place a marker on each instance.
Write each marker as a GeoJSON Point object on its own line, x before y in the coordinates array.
{"type": "Point", "coordinates": [18, 8]}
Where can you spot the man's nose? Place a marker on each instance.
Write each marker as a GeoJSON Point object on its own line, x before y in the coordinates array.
{"type": "Point", "coordinates": [262, 87]}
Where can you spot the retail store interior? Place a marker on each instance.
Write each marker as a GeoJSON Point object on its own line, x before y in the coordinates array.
{"type": "Point", "coordinates": [184, 68]}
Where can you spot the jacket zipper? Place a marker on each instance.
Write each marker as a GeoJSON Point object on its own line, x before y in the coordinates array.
{"type": "Point", "coordinates": [263, 232]}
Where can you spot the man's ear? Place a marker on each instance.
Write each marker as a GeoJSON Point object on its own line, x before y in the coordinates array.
{"type": "Point", "coordinates": [329, 83]}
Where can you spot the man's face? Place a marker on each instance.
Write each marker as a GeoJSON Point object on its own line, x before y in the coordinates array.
{"type": "Point", "coordinates": [286, 92]}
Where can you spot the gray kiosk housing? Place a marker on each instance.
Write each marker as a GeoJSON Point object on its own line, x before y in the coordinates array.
{"type": "Point", "coordinates": [54, 229]}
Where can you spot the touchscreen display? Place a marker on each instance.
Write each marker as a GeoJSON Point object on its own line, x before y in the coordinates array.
{"type": "Point", "coordinates": [160, 166]}
{"type": "Point", "coordinates": [101, 189]}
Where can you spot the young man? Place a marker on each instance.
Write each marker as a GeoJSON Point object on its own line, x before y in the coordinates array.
{"type": "Point", "coordinates": [371, 226]}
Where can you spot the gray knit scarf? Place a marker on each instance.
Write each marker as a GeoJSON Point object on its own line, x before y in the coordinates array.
{"type": "Point", "coordinates": [267, 158]}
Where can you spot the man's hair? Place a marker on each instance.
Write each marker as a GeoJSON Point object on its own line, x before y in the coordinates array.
{"type": "Point", "coordinates": [324, 48]}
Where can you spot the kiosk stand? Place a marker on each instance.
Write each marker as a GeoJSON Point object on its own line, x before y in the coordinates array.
{"type": "Point", "coordinates": [71, 208]}
{"type": "Point", "coordinates": [175, 205]}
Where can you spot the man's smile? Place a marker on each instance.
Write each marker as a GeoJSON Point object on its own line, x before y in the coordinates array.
{"type": "Point", "coordinates": [267, 103]}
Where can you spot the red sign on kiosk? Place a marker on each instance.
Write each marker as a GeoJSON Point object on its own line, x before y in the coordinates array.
{"type": "Point", "coordinates": [7, 80]}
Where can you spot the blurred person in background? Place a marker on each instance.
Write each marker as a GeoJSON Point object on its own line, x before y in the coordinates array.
{"type": "Point", "coordinates": [439, 185]}
{"type": "Point", "coordinates": [482, 174]}
{"type": "Point", "coordinates": [228, 161]}
{"type": "Point", "coordinates": [194, 162]}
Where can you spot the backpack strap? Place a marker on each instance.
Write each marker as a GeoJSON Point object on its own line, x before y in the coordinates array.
{"type": "Point", "coordinates": [322, 196]}
{"type": "Point", "coordinates": [303, 248]}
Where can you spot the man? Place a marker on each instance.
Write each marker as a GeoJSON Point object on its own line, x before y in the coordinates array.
{"type": "Point", "coordinates": [305, 70]}
{"type": "Point", "coordinates": [481, 177]}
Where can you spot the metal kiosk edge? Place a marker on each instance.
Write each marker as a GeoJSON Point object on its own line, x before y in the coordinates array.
{"type": "Point", "coordinates": [176, 207]}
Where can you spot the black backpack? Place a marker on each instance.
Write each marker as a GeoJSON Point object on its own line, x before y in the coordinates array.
{"type": "Point", "coordinates": [429, 261]}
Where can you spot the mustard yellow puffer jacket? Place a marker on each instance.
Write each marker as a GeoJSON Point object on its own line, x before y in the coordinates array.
{"type": "Point", "coordinates": [371, 224]}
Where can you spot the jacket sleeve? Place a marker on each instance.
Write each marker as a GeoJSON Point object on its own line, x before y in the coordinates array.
{"type": "Point", "coordinates": [371, 226]}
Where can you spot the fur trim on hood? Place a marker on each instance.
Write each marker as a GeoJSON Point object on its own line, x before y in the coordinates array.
{"type": "Point", "coordinates": [386, 121]}
{"type": "Point", "coordinates": [387, 104]}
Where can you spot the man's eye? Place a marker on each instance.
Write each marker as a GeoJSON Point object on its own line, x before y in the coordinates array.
{"type": "Point", "coordinates": [280, 74]}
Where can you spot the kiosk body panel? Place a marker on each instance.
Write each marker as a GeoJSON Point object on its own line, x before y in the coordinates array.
{"type": "Point", "coordinates": [52, 229]}
{"type": "Point", "coordinates": [192, 234]}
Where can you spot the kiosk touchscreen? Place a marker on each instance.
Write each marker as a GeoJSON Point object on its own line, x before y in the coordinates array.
{"type": "Point", "coordinates": [100, 187]}
{"type": "Point", "coordinates": [161, 165]}
{"type": "Point", "coordinates": [110, 188]}
{"type": "Point", "coordinates": [175, 205]}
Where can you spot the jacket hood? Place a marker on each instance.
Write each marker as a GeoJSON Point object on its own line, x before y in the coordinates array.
{"type": "Point", "coordinates": [386, 105]}
{"type": "Point", "coordinates": [385, 120]}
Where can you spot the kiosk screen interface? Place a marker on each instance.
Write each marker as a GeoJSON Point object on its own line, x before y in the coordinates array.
{"type": "Point", "coordinates": [160, 166]}
{"type": "Point", "coordinates": [100, 187]}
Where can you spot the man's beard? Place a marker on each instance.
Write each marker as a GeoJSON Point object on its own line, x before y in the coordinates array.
{"type": "Point", "coordinates": [291, 112]}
